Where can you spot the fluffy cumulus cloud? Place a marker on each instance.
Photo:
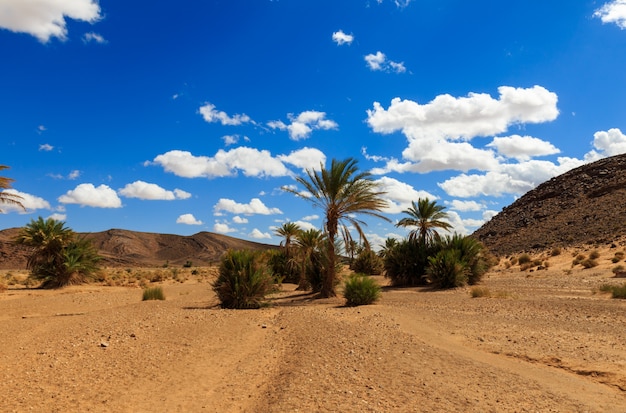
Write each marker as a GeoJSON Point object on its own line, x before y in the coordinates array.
{"type": "Point", "coordinates": [148, 191]}
{"type": "Point", "coordinates": [438, 132]}
{"type": "Point", "coordinates": [45, 147]}
{"type": "Point", "coordinates": [613, 12]}
{"type": "Point", "coordinates": [304, 124]}
{"type": "Point", "coordinates": [30, 202]}
{"type": "Point", "coordinates": [465, 206]}
{"type": "Point", "coordinates": [222, 228]}
{"type": "Point", "coordinates": [46, 18]}
{"type": "Point", "coordinates": [512, 179]}
{"type": "Point", "coordinates": [211, 115]}
{"type": "Point", "coordinates": [257, 234]}
{"type": "Point", "coordinates": [399, 194]}
{"type": "Point", "coordinates": [89, 195]}
{"type": "Point", "coordinates": [188, 219]}
{"type": "Point", "coordinates": [522, 148]}
{"type": "Point", "coordinates": [305, 158]}
{"type": "Point", "coordinates": [240, 220]}
{"type": "Point", "coordinates": [378, 62]}
{"type": "Point", "coordinates": [341, 38]}
{"type": "Point", "coordinates": [252, 162]}
{"type": "Point", "coordinates": [254, 207]}
{"type": "Point", "coordinates": [609, 143]}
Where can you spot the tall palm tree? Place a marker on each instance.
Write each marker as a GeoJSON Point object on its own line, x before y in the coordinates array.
{"type": "Point", "coordinates": [8, 197]}
{"type": "Point", "coordinates": [427, 217]}
{"type": "Point", "coordinates": [342, 192]}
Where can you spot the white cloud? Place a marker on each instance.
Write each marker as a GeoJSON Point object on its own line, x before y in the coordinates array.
{"type": "Point", "coordinates": [610, 143]}
{"type": "Point", "coordinates": [305, 158]}
{"type": "Point", "coordinates": [94, 37]}
{"type": "Point", "coordinates": [305, 225]}
{"type": "Point", "coordinates": [514, 179]}
{"type": "Point", "coordinates": [304, 124]}
{"type": "Point", "coordinates": [310, 217]}
{"type": "Point", "coordinates": [230, 139]}
{"type": "Point", "coordinates": [259, 235]}
{"type": "Point", "coordinates": [522, 148]}
{"type": "Point", "coordinates": [342, 38]}
{"type": "Point", "coordinates": [239, 220]}
{"type": "Point", "coordinates": [256, 206]}
{"type": "Point", "coordinates": [250, 161]}
{"type": "Point", "coordinates": [75, 174]}
{"type": "Point", "coordinates": [613, 12]}
{"type": "Point", "coordinates": [378, 62]}
{"type": "Point", "coordinates": [148, 191]}
{"type": "Point", "coordinates": [464, 206]}
{"type": "Point", "coordinates": [30, 202]}
{"type": "Point", "coordinates": [89, 195]}
{"type": "Point", "coordinates": [458, 224]}
{"type": "Point", "coordinates": [211, 115]}
{"type": "Point", "coordinates": [46, 18]}
{"type": "Point", "coordinates": [188, 219]}
{"type": "Point", "coordinates": [399, 194]}
{"type": "Point", "coordinates": [432, 129]}
{"type": "Point", "coordinates": [46, 147]}
{"type": "Point", "coordinates": [478, 114]}
{"type": "Point", "coordinates": [222, 228]}
{"type": "Point", "coordinates": [58, 217]}
{"type": "Point", "coordinates": [487, 215]}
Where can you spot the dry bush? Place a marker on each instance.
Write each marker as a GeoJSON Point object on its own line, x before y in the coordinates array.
{"type": "Point", "coordinates": [589, 263]}
{"type": "Point", "coordinates": [594, 255]}
{"type": "Point", "coordinates": [524, 259]}
{"type": "Point", "coordinates": [555, 251]}
{"type": "Point", "coordinates": [480, 292]}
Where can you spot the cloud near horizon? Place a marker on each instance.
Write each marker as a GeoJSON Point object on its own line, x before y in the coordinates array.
{"type": "Point", "coordinates": [89, 195]}
{"type": "Point", "coordinates": [148, 191]}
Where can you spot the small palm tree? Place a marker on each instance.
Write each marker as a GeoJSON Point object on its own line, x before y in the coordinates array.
{"type": "Point", "coordinates": [308, 244]}
{"type": "Point", "coordinates": [8, 197]}
{"type": "Point", "coordinates": [58, 258]}
{"type": "Point", "coordinates": [342, 192]}
{"type": "Point", "coordinates": [289, 230]}
{"type": "Point", "coordinates": [427, 216]}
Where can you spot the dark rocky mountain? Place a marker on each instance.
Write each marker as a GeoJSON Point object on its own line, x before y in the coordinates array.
{"type": "Point", "coordinates": [122, 248]}
{"type": "Point", "coordinates": [586, 205]}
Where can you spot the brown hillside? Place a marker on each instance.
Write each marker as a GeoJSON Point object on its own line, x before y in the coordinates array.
{"type": "Point", "coordinates": [583, 206]}
{"type": "Point", "coordinates": [140, 249]}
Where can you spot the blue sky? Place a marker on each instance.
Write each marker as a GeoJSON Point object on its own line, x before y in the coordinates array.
{"type": "Point", "coordinates": [187, 117]}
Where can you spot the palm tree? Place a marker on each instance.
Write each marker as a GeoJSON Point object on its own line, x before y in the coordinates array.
{"type": "Point", "coordinates": [8, 197]}
{"type": "Point", "coordinates": [427, 216]}
{"type": "Point", "coordinates": [308, 244]}
{"type": "Point", "coordinates": [342, 192]}
{"type": "Point", "coordinates": [57, 258]}
{"type": "Point", "coordinates": [289, 230]}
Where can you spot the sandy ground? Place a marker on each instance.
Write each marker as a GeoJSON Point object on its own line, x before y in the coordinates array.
{"type": "Point", "coordinates": [544, 342]}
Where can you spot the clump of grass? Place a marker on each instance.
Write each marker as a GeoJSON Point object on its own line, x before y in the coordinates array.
{"type": "Point", "coordinates": [617, 269]}
{"type": "Point", "coordinates": [524, 259]}
{"type": "Point", "coordinates": [555, 251]}
{"type": "Point", "coordinates": [3, 287]}
{"type": "Point", "coordinates": [594, 255]}
{"type": "Point", "coordinates": [617, 291]}
{"type": "Point", "coordinates": [589, 263]}
{"type": "Point", "coordinates": [618, 257]}
{"type": "Point", "coordinates": [360, 289]}
{"type": "Point", "coordinates": [480, 292]}
{"type": "Point", "coordinates": [153, 293]}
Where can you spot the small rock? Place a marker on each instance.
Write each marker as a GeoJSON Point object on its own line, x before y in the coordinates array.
{"type": "Point", "coordinates": [104, 344]}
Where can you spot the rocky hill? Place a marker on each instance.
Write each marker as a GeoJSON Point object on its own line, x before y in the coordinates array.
{"type": "Point", "coordinates": [586, 205]}
{"type": "Point", "coordinates": [120, 248]}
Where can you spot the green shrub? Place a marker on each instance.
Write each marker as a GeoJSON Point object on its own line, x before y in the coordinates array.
{"type": "Point", "coordinates": [367, 262]}
{"type": "Point", "coordinates": [153, 293]}
{"type": "Point", "coordinates": [243, 280]}
{"type": "Point", "coordinates": [617, 291]}
{"type": "Point", "coordinates": [405, 262]}
{"type": "Point", "coordinates": [447, 269]}
{"type": "Point", "coordinates": [282, 268]}
{"type": "Point", "coordinates": [472, 254]}
{"type": "Point", "coordinates": [360, 289]}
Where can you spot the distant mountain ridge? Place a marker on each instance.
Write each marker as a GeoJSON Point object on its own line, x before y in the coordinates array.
{"type": "Point", "coordinates": [120, 248]}
{"type": "Point", "coordinates": [586, 205]}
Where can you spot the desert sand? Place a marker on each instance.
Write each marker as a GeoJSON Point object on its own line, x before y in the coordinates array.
{"type": "Point", "coordinates": [545, 341]}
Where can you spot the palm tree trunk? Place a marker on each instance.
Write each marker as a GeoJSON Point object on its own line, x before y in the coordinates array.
{"type": "Point", "coordinates": [328, 286]}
